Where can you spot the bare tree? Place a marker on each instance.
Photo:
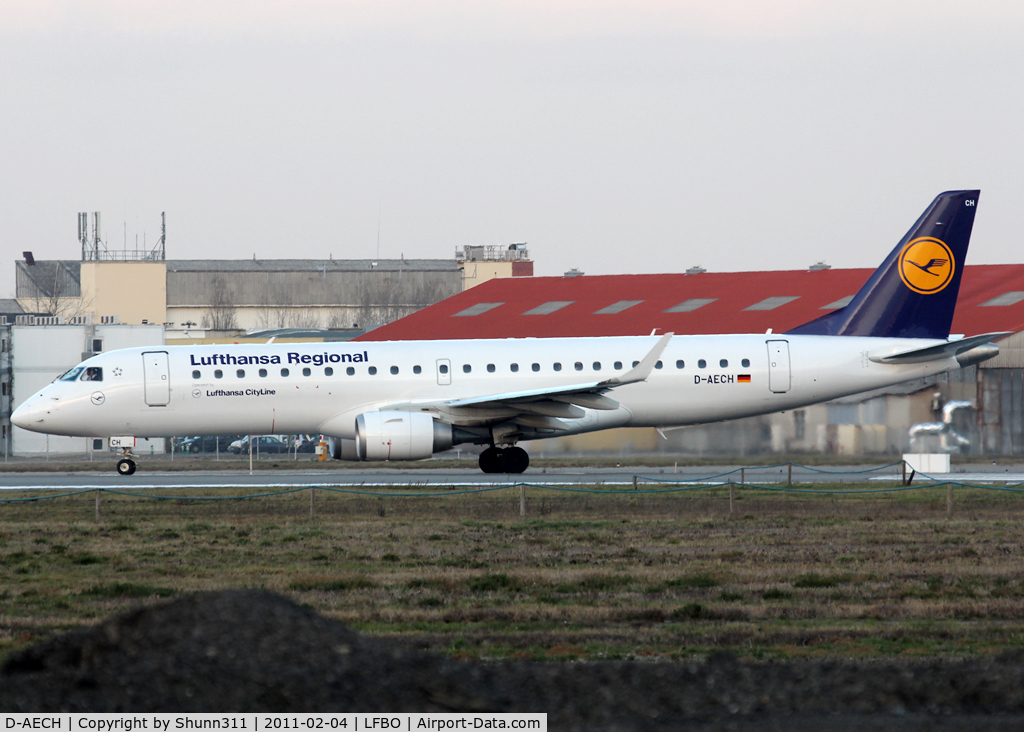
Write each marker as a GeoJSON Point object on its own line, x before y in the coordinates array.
{"type": "Point", "coordinates": [304, 318]}
{"type": "Point", "coordinates": [221, 313]}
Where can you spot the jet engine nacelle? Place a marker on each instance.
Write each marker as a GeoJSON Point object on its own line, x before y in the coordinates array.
{"type": "Point", "coordinates": [400, 436]}
{"type": "Point", "coordinates": [342, 448]}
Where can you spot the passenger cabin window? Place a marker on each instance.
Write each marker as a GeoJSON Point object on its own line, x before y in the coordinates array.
{"type": "Point", "coordinates": [702, 364]}
{"type": "Point", "coordinates": [513, 367]}
{"type": "Point", "coordinates": [218, 374]}
{"type": "Point", "coordinates": [263, 373]}
{"type": "Point", "coordinates": [306, 371]}
{"type": "Point", "coordinates": [680, 364]}
{"type": "Point", "coordinates": [556, 366]}
{"type": "Point", "coordinates": [724, 363]}
{"type": "Point", "coordinates": [658, 365]}
{"type": "Point", "coordinates": [746, 363]}
{"type": "Point", "coordinates": [93, 373]}
{"type": "Point", "coordinates": [372, 370]}
{"type": "Point", "coordinates": [417, 370]}
{"type": "Point", "coordinates": [578, 366]}
{"type": "Point", "coordinates": [597, 365]}
{"type": "Point", "coordinates": [350, 371]}
{"type": "Point", "coordinates": [490, 368]}
{"type": "Point", "coordinates": [285, 372]}
{"type": "Point", "coordinates": [240, 373]}
{"type": "Point", "coordinates": [72, 374]}
{"type": "Point", "coordinates": [443, 368]}
{"type": "Point", "coordinates": [196, 374]}
{"type": "Point", "coordinates": [635, 364]}
{"type": "Point", "coordinates": [535, 367]}
{"type": "Point", "coordinates": [466, 368]}
{"type": "Point", "coordinates": [327, 371]}
{"type": "Point", "coordinates": [394, 370]}
{"type": "Point", "coordinates": [618, 365]}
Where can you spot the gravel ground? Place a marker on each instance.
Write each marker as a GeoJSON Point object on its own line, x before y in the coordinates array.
{"type": "Point", "coordinates": [254, 651]}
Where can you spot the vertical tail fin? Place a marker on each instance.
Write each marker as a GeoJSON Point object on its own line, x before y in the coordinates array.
{"type": "Point", "coordinates": [913, 294]}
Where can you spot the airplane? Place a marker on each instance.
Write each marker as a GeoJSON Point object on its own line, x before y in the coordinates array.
{"type": "Point", "coordinates": [387, 401]}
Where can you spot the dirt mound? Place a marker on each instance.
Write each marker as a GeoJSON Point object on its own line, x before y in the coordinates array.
{"type": "Point", "coordinates": [254, 651]}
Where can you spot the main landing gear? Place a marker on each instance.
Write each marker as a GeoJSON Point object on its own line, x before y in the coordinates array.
{"type": "Point", "coordinates": [126, 466]}
{"type": "Point", "coordinates": [504, 460]}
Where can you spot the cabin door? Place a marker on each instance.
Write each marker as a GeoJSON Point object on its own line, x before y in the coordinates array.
{"type": "Point", "coordinates": [779, 375]}
{"type": "Point", "coordinates": [444, 371]}
{"type": "Point", "coordinates": [158, 378]}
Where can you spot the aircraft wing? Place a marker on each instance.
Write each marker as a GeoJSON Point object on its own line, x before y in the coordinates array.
{"type": "Point", "coordinates": [541, 408]}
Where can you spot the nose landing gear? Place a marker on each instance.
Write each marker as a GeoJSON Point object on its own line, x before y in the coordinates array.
{"type": "Point", "coordinates": [504, 460]}
{"type": "Point", "coordinates": [126, 466]}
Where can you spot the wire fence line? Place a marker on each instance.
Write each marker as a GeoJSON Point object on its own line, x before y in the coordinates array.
{"type": "Point", "coordinates": [641, 485]}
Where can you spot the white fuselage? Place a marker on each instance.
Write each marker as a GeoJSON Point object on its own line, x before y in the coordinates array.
{"type": "Point", "coordinates": [322, 387]}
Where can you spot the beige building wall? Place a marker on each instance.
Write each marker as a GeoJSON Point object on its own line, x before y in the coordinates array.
{"type": "Point", "coordinates": [476, 273]}
{"type": "Point", "coordinates": [136, 292]}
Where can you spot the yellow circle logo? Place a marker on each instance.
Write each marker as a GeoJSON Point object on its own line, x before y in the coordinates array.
{"type": "Point", "coordinates": [926, 265]}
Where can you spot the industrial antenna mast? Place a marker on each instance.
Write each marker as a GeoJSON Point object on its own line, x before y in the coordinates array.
{"type": "Point", "coordinates": [94, 249]}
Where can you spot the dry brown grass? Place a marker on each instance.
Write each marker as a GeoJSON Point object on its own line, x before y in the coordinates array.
{"type": "Point", "coordinates": [587, 575]}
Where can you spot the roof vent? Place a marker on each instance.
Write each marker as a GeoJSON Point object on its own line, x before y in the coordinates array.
{"type": "Point", "coordinates": [819, 266]}
{"type": "Point", "coordinates": [573, 273]}
{"type": "Point", "coordinates": [696, 270]}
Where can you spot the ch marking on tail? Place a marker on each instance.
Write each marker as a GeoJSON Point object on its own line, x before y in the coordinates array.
{"type": "Point", "coordinates": [926, 265]}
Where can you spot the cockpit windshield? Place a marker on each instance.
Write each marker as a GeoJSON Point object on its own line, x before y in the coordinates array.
{"type": "Point", "coordinates": [72, 374]}
{"type": "Point", "coordinates": [93, 373]}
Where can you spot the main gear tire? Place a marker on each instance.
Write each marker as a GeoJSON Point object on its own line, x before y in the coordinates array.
{"type": "Point", "coordinates": [491, 460]}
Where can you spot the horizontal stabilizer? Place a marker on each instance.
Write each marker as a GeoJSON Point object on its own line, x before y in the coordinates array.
{"type": "Point", "coordinates": [946, 350]}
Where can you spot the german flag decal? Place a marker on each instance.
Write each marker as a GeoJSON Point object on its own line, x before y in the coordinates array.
{"type": "Point", "coordinates": [743, 378]}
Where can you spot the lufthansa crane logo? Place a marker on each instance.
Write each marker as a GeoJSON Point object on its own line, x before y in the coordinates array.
{"type": "Point", "coordinates": [926, 265]}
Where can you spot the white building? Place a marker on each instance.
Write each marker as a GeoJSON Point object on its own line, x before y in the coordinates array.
{"type": "Point", "coordinates": [33, 355]}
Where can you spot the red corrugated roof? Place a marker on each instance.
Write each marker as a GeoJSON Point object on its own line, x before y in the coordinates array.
{"type": "Point", "coordinates": [731, 294]}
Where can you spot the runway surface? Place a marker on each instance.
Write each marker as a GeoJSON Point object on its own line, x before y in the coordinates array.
{"type": "Point", "coordinates": [385, 477]}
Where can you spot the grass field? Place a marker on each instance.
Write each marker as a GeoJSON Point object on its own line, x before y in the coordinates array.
{"type": "Point", "coordinates": [584, 575]}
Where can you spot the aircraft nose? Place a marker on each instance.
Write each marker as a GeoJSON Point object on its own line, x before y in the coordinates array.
{"type": "Point", "coordinates": [30, 415]}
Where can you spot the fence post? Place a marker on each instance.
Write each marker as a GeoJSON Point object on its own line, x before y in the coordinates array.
{"type": "Point", "coordinates": [904, 463]}
{"type": "Point", "coordinates": [743, 475]}
{"type": "Point", "coordinates": [522, 500]}
{"type": "Point", "coordinates": [949, 501]}
{"type": "Point", "coordinates": [634, 482]}
{"type": "Point", "coordinates": [732, 496]}
{"type": "Point", "coordinates": [312, 502]}
{"type": "Point", "coordinates": [791, 474]}
{"type": "Point", "coordinates": [97, 505]}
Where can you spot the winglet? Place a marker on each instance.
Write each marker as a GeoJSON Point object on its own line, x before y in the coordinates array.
{"type": "Point", "coordinates": [642, 370]}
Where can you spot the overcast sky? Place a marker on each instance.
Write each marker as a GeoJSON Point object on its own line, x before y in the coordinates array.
{"type": "Point", "coordinates": [615, 137]}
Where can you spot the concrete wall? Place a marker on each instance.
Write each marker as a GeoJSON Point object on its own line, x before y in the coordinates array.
{"type": "Point", "coordinates": [476, 273]}
{"type": "Point", "coordinates": [134, 291]}
{"type": "Point", "coordinates": [222, 300]}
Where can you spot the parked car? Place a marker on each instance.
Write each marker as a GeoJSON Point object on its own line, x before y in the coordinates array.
{"type": "Point", "coordinates": [206, 443]}
{"type": "Point", "coordinates": [264, 444]}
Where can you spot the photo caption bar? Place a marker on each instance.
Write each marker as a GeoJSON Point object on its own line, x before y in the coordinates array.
{"type": "Point", "coordinates": [161, 722]}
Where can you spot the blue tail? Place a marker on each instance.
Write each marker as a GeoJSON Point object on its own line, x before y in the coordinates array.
{"type": "Point", "coordinates": [913, 294]}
